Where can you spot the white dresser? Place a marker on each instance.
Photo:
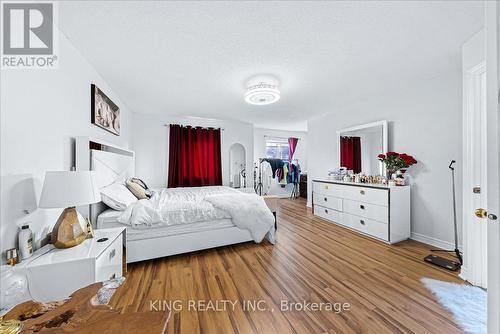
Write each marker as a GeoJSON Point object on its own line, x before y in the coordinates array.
{"type": "Point", "coordinates": [378, 211]}
{"type": "Point", "coordinates": [57, 273]}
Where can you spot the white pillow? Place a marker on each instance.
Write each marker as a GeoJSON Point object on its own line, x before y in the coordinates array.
{"type": "Point", "coordinates": [117, 196]}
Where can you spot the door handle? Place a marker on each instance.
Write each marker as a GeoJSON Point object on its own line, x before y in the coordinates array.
{"type": "Point", "coordinates": [481, 213]}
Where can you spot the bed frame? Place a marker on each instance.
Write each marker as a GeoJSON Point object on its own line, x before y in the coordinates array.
{"type": "Point", "coordinates": [110, 162]}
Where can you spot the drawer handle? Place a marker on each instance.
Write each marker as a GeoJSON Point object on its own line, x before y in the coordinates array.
{"type": "Point", "coordinates": [362, 222]}
{"type": "Point", "coordinates": [362, 207]}
{"type": "Point", "coordinates": [326, 187]}
{"type": "Point", "coordinates": [326, 211]}
{"type": "Point", "coordinates": [326, 199]}
{"type": "Point", "coordinates": [112, 254]}
{"type": "Point", "coordinates": [362, 192]}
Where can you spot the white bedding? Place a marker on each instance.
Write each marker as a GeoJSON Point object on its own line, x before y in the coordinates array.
{"type": "Point", "coordinates": [180, 206]}
{"type": "Point", "coordinates": [107, 219]}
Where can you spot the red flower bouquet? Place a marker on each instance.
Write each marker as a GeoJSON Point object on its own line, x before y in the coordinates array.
{"type": "Point", "coordinates": [396, 161]}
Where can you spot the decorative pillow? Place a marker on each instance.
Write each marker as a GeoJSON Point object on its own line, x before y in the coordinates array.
{"type": "Point", "coordinates": [138, 190]}
{"type": "Point", "coordinates": [117, 196]}
{"type": "Point", "coordinates": [139, 182]}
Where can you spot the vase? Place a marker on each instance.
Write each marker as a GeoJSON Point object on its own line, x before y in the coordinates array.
{"type": "Point", "coordinates": [400, 173]}
{"type": "Point", "coordinates": [390, 173]}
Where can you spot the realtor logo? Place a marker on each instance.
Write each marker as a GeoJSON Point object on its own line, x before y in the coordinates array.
{"type": "Point", "coordinates": [28, 35]}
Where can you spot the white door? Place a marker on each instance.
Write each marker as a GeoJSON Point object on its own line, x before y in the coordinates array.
{"type": "Point", "coordinates": [475, 265]}
{"type": "Point", "coordinates": [492, 146]}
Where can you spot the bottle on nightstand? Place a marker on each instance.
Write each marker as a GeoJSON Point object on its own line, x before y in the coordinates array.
{"type": "Point", "coordinates": [25, 242]}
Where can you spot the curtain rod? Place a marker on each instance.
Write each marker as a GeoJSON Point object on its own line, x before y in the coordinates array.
{"type": "Point", "coordinates": [278, 137]}
{"type": "Point", "coordinates": [196, 126]}
{"type": "Point", "coordinates": [262, 159]}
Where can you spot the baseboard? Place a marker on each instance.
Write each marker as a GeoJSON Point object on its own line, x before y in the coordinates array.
{"type": "Point", "coordinates": [309, 204]}
{"type": "Point", "coordinates": [438, 243]}
{"type": "Point", "coordinates": [464, 273]}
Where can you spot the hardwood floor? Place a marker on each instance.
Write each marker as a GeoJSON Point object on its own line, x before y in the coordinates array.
{"type": "Point", "coordinates": [312, 261]}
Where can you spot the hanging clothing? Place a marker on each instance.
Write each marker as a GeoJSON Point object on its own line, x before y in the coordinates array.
{"type": "Point", "coordinates": [276, 164]}
{"type": "Point", "coordinates": [266, 177]}
{"type": "Point", "coordinates": [294, 174]}
{"type": "Point", "coordinates": [291, 173]}
{"type": "Point", "coordinates": [279, 174]}
{"type": "Point", "coordinates": [284, 178]}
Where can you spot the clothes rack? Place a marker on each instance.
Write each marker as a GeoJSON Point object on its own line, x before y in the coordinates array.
{"type": "Point", "coordinates": [259, 186]}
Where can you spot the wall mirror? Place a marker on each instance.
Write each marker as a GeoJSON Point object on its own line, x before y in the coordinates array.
{"type": "Point", "coordinates": [237, 164]}
{"type": "Point", "coordinates": [360, 145]}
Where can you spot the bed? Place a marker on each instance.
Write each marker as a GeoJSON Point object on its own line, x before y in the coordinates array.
{"type": "Point", "coordinates": [155, 237]}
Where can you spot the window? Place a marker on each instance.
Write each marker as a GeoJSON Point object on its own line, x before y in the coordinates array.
{"type": "Point", "coordinates": [277, 148]}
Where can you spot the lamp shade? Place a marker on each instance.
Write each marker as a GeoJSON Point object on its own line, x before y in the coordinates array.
{"type": "Point", "coordinates": [67, 189]}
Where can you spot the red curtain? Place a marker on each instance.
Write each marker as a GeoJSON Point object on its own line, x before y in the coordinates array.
{"type": "Point", "coordinates": [194, 157]}
{"type": "Point", "coordinates": [292, 144]}
{"type": "Point", "coordinates": [350, 153]}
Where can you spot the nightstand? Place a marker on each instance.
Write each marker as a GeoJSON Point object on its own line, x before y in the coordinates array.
{"type": "Point", "coordinates": [272, 204]}
{"type": "Point", "coordinates": [57, 273]}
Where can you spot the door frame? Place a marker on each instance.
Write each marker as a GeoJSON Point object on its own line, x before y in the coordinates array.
{"type": "Point", "coordinates": [492, 21]}
{"type": "Point", "coordinates": [474, 268]}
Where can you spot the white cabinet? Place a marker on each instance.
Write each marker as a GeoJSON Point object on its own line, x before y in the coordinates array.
{"type": "Point", "coordinates": [57, 273]}
{"type": "Point", "coordinates": [378, 211]}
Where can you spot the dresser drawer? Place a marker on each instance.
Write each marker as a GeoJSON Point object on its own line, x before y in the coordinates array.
{"type": "Point", "coordinates": [328, 201]}
{"type": "Point", "coordinates": [109, 263]}
{"type": "Point", "coordinates": [328, 189]}
{"type": "Point", "coordinates": [368, 226]}
{"type": "Point", "coordinates": [328, 214]}
{"type": "Point", "coordinates": [367, 195]}
{"type": "Point", "coordinates": [370, 211]}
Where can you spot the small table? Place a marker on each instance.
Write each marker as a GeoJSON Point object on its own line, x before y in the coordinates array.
{"type": "Point", "coordinates": [57, 273]}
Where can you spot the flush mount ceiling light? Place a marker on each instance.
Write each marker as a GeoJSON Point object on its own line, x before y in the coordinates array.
{"type": "Point", "coordinates": [262, 90]}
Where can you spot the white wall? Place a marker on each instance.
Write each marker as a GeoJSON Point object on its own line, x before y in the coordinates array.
{"type": "Point", "coordinates": [425, 120]}
{"type": "Point", "coordinates": [41, 111]}
{"type": "Point", "coordinates": [300, 153]}
{"type": "Point", "coordinates": [150, 143]}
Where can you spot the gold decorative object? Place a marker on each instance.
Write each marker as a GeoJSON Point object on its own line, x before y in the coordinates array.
{"type": "Point", "coordinates": [10, 326]}
{"type": "Point", "coordinates": [68, 189]}
{"type": "Point", "coordinates": [12, 256]}
{"type": "Point", "coordinates": [90, 229]}
{"type": "Point", "coordinates": [68, 232]}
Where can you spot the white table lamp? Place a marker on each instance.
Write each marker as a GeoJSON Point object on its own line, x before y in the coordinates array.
{"type": "Point", "coordinates": [68, 190]}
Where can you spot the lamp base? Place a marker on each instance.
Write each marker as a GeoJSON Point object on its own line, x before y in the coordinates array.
{"type": "Point", "coordinates": [68, 231]}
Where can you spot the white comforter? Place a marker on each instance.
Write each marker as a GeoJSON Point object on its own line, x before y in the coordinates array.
{"type": "Point", "coordinates": [190, 205]}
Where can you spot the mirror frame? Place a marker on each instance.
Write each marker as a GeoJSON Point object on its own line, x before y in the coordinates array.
{"type": "Point", "coordinates": [385, 138]}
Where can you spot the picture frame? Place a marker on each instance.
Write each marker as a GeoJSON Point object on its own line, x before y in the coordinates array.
{"type": "Point", "coordinates": [104, 112]}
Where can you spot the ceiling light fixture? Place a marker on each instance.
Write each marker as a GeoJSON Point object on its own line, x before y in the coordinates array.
{"type": "Point", "coordinates": [262, 93]}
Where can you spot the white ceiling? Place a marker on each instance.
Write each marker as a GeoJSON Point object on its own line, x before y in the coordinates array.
{"type": "Point", "coordinates": [193, 58]}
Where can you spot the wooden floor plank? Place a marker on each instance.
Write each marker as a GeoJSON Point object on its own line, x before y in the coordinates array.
{"type": "Point", "coordinates": [312, 261]}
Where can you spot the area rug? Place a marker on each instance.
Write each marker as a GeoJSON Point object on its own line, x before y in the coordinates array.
{"type": "Point", "coordinates": [466, 303]}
